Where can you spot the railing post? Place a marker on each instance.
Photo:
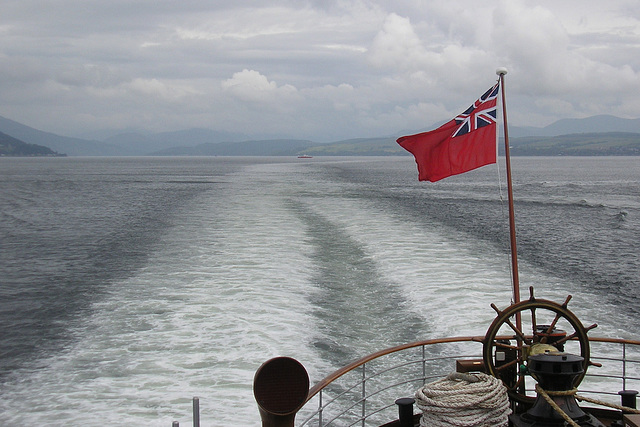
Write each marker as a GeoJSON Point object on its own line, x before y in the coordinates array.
{"type": "Point", "coordinates": [196, 412]}
{"type": "Point", "coordinates": [320, 408]}
{"type": "Point", "coordinates": [624, 366]}
{"type": "Point", "coordinates": [364, 393]}
{"type": "Point", "coordinates": [424, 365]}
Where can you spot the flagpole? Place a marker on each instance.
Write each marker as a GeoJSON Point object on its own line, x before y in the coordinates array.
{"type": "Point", "coordinates": [512, 222]}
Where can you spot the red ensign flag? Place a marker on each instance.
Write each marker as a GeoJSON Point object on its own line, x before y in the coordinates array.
{"type": "Point", "coordinates": [460, 145]}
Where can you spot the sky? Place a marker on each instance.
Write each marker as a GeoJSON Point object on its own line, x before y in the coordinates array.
{"type": "Point", "coordinates": [323, 70]}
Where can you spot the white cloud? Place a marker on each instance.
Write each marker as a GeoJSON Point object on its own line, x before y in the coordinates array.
{"type": "Point", "coordinates": [552, 70]}
{"type": "Point", "coordinates": [397, 45]}
{"type": "Point", "coordinates": [311, 69]}
{"type": "Point", "coordinates": [159, 89]}
{"type": "Point", "coordinates": [250, 85]}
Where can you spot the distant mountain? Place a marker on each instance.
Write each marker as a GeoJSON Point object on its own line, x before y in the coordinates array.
{"type": "Point", "coordinates": [10, 146]}
{"type": "Point", "coordinates": [359, 147]}
{"type": "Point", "coordinates": [61, 144]}
{"type": "Point", "coordinates": [597, 135]}
{"type": "Point", "coordinates": [581, 144]}
{"type": "Point", "coordinates": [594, 124]}
{"type": "Point", "coordinates": [152, 143]}
{"type": "Point", "coordinates": [126, 144]}
{"type": "Point", "coordinates": [273, 147]}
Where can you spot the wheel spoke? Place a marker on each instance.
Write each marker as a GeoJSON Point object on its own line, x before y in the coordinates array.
{"type": "Point", "coordinates": [553, 324]}
{"type": "Point", "coordinates": [518, 383]}
{"type": "Point", "coordinates": [508, 364]}
{"type": "Point", "coordinates": [518, 332]}
{"type": "Point", "coordinates": [566, 338]}
{"type": "Point", "coordinates": [507, 346]}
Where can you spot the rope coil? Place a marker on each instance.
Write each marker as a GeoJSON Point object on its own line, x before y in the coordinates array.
{"type": "Point", "coordinates": [465, 400]}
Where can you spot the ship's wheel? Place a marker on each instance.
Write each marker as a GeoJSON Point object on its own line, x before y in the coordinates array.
{"type": "Point", "coordinates": [532, 327]}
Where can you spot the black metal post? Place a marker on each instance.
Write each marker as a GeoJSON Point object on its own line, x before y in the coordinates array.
{"type": "Point", "coordinates": [405, 411]}
{"type": "Point", "coordinates": [628, 398]}
{"type": "Point", "coordinates": [196, 412]}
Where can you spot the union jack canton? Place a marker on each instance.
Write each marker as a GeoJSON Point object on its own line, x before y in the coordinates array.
{"type": "Point", "coordinates": [481, 113]}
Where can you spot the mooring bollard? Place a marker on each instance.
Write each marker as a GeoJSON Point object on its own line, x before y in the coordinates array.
{"type": "Point", "coordinates": [628, 398]}
{"type": "Point", "coordinates": [175, 424]}
{"type": "Point", "coordinates": [405, 411]}
{"type": "Point", "coordinates": [196, 412]}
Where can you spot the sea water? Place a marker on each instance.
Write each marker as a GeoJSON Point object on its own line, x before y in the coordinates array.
{"type": "Point", "coordinates": [130, 285]}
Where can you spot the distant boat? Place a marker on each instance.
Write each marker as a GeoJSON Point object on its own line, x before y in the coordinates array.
{"type": "Point", "coordinates": [305, 156]}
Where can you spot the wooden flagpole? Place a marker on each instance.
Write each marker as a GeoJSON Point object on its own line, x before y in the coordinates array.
{"type": "Point", "coordinates": [512, 222]}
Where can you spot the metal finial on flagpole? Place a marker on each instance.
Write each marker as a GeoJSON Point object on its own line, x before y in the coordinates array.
{"type": "Point", "coordinates": [501, 71]}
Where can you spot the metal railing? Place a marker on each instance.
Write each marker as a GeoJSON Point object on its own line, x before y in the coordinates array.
{"type": "Point", "coordinates": [363, 393]}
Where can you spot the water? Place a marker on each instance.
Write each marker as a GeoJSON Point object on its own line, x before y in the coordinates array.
{"type": "Point", "coordinates": [130, 285]}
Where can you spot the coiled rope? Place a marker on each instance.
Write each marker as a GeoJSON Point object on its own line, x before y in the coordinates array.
{"type": "Point", "coordinates": [464, 400]}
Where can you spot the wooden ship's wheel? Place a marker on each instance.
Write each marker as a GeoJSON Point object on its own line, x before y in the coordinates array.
{"type": "Point", "coordinates": [532, 327]}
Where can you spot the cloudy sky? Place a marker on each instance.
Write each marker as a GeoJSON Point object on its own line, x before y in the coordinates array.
{"type": "Point", "coordinates": [317, 69]}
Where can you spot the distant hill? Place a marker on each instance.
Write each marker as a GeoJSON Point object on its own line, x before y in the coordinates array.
{"type": "Point", "coordinates": [292, 147]}
{"type": "Point", "coordinates": [594, 124]}
{"type": "Point", "coordinates": [359, 147]}
{"type": "Point", "coordinates": [597, 135]}
{"type": "Point", "coordinates": [613, 136]}
{"type": "Point", "coordinates": [61, 144]}
{"type": "Point", "coordinates": [274, 147]}
{"type": "Point", "coordinates": [13, 147]}
{"type": "Point", "coordinates": [583, 144]}
{"type": "Point", "coordinates": [588, 144]}
{"type": "Point", "coordinates": [126, 144]}
{"type": "Point", "coordinates": [140, 144]}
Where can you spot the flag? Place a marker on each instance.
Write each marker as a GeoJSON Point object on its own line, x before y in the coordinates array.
{"type": "Point", "coordinates": [464, 143]}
